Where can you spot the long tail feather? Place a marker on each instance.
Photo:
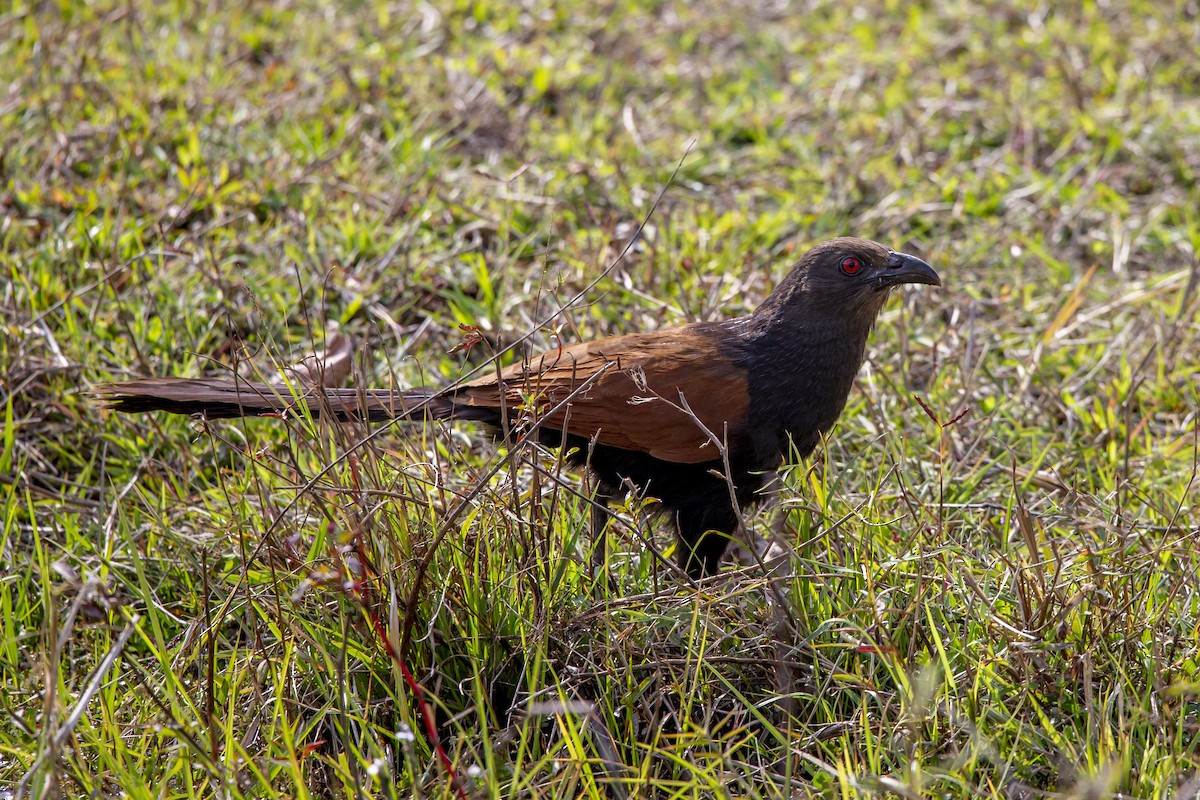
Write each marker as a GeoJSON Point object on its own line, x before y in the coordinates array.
{"type": "Point", "coordinates": [218, 398]}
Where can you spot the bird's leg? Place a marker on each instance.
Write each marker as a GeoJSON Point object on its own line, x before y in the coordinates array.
{"type": "Point", "coordinates": [700, 555]}
{"type": "Point", "coordinates": [704, 533]}
{"type": "Point", "coordinates": [601, 515]}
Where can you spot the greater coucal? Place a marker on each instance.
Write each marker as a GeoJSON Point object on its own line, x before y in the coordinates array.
{"type": "Point", "coordinates": [671, 412]}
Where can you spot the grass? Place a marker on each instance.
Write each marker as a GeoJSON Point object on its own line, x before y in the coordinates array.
{"type": "Point", "coordinates": [1006, 605]}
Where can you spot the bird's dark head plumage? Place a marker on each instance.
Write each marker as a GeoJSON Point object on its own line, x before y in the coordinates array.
{"type": "Point", "coordinates": [846, 278]}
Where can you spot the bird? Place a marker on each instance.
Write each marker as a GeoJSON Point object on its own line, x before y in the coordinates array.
{"type": "Point", "coordinates": [698, 416]}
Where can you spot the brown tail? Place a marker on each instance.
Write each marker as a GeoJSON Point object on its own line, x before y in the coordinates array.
{"type": "Point", "coordinates": [217, 398]}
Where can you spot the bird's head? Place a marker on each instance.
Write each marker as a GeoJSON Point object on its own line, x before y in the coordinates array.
{"type": "Point", "coordinates": [846, 277]}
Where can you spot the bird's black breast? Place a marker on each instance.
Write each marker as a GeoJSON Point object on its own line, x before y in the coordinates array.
{"type": "Point", "coordinates": [798, 386]}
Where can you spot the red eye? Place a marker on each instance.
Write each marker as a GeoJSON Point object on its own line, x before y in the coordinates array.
{"type": "Point", "coordinates": [851, 265]}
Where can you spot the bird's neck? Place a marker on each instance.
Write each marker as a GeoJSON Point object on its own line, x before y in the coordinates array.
{"type": "Point", "coordinates": [834, 337]}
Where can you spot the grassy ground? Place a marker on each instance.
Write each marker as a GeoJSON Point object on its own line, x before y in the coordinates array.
{"type": "Point", "coordinates": [1007, 606]}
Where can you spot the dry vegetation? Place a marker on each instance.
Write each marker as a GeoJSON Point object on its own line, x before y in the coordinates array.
{"type": "Point", "coordinates": [1005, 606]}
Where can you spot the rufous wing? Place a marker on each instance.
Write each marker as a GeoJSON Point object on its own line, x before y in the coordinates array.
{"type": "Point", "coordinates": [628, 392]}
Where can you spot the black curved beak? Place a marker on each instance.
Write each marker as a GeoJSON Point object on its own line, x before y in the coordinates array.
{"type": "Point", "coordinates": [903, 268]}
